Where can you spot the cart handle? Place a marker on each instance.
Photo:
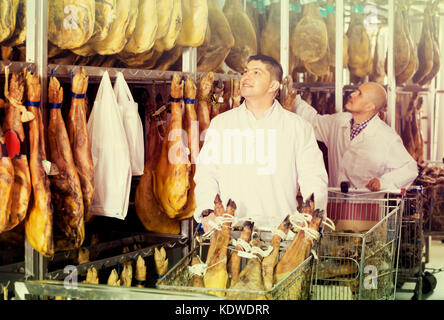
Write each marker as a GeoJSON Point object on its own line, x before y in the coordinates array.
{"type": "Point", "coordinates": [365, 190]}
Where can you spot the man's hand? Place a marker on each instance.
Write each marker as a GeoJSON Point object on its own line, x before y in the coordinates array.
{"type": "Point", "coordinates": [374, 185]}
{"type": "Point", "coordinates": [207, 216]}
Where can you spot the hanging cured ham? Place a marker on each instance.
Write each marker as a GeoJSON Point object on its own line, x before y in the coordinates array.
{"type": "Point", "coordinates": [105, 13]}
{"type": "Point", "coordinates": [66, 190]}
{"type": "Point", "coordinates": [289, 94]}
{"type": "Point", "coordinates": [191, 127]}
{"type": "Point", "coordinates": [121, 28]}
{"type": "Point", "coordinates": [171, 177]}
{"type": "Point", "coordinates": [15, 138]}
{"type": "Point", "coordinates": [8, 12]}
{"type": "Point", "coordinates": [194, 23]}
{"type": "Point", "coordinates": [19, 35]}
{"type": "Point", "coordinates": [436, 55]}
{"type": "Point", "coordinates": [204, 103]}
{"type": "Point", "coordinates": [221, 40]}
{"type": "Point", "coordinates": [164, 10]}
{"type": "Point", "coordinates": [412, 66]}
{"type": "Point", "coordinates": [310, 40]}
{"type": "Point", "coordinates": [378, 70]}
{"type": "Point", "coordinates": [270, 38]}
{"type": "Point", "coordinates": [70, 23]}
{"type": "Point", "coordinates": [79, 139]}
{"type": "Point", "coordinates": [39, 222]}
{"type": "Point", "coordinates": [359, 48]}
{"type": "Point", "coordinates": [245, 42]}
{"type": "Point", "coordinates": [236, 96]}
{"type": "Point", "coordinates": [425, 49]}
{"type": "Point", "coordinates": [147, 207]}
{"type": "Point", "coordinates": [142, 39]}
{"type": "Point", "coordinates": [401, 43]}
{"type": "Point", "coordinates": [6, 182]}
{"type": "Point", "coordinates": [168, 41]}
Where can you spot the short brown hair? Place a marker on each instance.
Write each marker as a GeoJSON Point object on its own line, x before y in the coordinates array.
{"type": "Point", "coordinates": [271, 64]}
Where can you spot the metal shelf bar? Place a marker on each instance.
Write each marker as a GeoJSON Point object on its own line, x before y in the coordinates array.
{"type": "Point", "coordinates": [112, 261]}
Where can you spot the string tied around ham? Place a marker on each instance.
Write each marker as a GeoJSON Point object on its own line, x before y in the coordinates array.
{"type": "Point", "coordinates": [25, 114]}
{"type": "Point", "coordinates": [300, 221]}
{"type": "Point", "coordinates": [248, 251]}
{"type": "Point", "coordinates": [200, 269]}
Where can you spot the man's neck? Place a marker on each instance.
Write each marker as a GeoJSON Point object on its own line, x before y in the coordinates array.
{"type": "Point", "coordinates": [360, 118]}
{"type": "Point", "coordinates": [258, 107]}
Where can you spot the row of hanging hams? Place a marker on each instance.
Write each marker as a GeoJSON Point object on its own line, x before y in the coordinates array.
{"type": "Point", "coordinates": [51, 192]}
{"type": "Point", "coordinates": [150, 34]}
{"type": "Point", "coordinates": [223, 263]}
{"type": "Point", "coordinates": [165, 193]}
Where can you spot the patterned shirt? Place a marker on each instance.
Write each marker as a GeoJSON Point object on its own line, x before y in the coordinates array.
{"type": "Point", "coordinates": [355, 131]}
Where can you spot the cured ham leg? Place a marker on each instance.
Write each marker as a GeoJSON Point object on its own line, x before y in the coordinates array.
{"type": "Point", "coordinates": [79, 140]}
{"type": "Point", "coordinates": [215, 105]}
{"type": "Point", "coordinates": [217, 276]}
{"type": "Point", "coordinates": [171, 177]}
{"type": "Point", "coordinates": [191, 127]}
{"type": "Point", "coordinates": [197, 279]}
{"type": "Point", "coordinates": [236, 94]}
{"type": "Point", "coordinates": [235, 260]}
{"type": "Point", "coordinates": [297, 252]}
{"type": "Point", "coordinates": [270, 261]}
{"type": "Point", "coordinates": [66, 190]}
{"type": "Point", "coordinates": [38, 224]}
{"type": "Point", "coordinates": [226, 96]}
{"type": "Point", "coordinates": [147, 207]}
{"type": "Point", "coordinates": [250, 277]}
{"type": "Point", "coordinates": [289, 94]}
{"type": "Point", "coordinates": [203, 104]}
{"type": "Point", "coordinates": [13, 130]}
{"type": "Point", "coordinates": [218, 212]}
{"type": "Point", "coordinates": [6, 182]}
{"type": "Point", "coordinates": [425, 49]}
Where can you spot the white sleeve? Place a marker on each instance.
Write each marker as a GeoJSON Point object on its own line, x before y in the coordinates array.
{"type": "Point", "coordinates": [206, 175]}
{"type": "Point", "coordinates": [322, 124]}
{"type": "Point", "coordinates": [312, 176]}
{"type": "Point", "coordinates": [401, 168]}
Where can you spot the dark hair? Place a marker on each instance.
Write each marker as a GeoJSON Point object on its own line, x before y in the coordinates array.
{"type": "Point", "coordinates": [272, 65]}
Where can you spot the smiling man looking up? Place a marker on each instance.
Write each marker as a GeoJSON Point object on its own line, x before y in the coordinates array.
{"type": "Point", "coordinates": [362, 149]}
{"type": "Point", "coordinates": [259, 155]}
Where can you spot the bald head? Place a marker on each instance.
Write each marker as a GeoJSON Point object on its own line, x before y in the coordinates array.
{"type": "Point", "coordinates": [376, 94]}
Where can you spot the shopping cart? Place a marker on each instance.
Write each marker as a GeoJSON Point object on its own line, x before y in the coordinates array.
{"type": "Point", "coordinates": [411, 254]}
{"type": "Point", "coordinates": [355, 265]}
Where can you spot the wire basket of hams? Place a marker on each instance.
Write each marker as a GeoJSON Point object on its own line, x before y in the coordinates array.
{"type": "Point", "coordinates": [250, 264]}
{"type": "Point", "coordinates": [431, 178]}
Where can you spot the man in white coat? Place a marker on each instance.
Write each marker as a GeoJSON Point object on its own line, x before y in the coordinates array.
{"type": "Point", "coordinates": [362, 149]}
{"type": "Point", "coordinates": [259, 155]}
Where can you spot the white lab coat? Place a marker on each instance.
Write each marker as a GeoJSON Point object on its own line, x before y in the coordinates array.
{"type": "Point", "coordinates": [290, 152]}
{"type": "Point", "coordinates": [376, 152]}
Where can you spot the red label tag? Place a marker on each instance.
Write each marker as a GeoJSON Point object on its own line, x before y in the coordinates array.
{"type": "Point", "coordinates": [354, 211]}
{"type": "Point", "coordinates": [12, 143]}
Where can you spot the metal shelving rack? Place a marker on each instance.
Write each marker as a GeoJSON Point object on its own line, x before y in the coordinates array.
{"type": "Point", "coordinates": [37, 59]}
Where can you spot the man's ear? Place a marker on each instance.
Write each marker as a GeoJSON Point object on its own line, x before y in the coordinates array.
{"type": "Point", "coordinates": [371, 107]}
{"type": "Point", "coordinates": [274, 85]}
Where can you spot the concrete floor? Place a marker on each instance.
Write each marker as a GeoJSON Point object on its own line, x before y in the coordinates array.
{"type": "Point", "coordinates": [436, 262]}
